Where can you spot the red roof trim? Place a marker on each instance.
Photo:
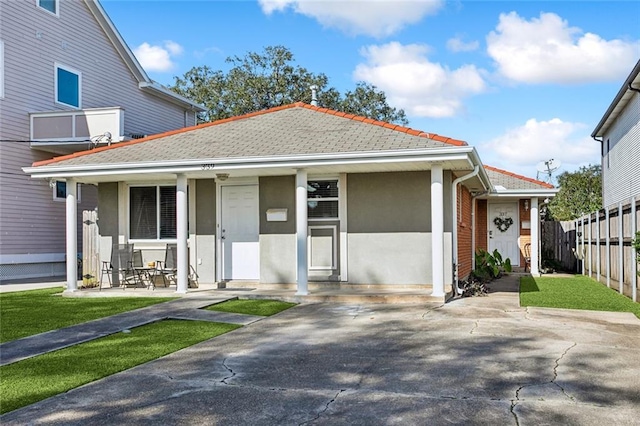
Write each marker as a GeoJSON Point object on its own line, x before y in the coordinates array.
{"type": "Point", "coordinates": [394, 127]}
{"type": "Point", "coordinates": [528, 179]}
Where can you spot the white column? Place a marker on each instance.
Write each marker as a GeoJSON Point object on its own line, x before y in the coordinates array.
{"type": "Point", "coordinates": [72, 236]}
{"type": "Point", "coordinates": [437, 230]}
{"type": "Point", "coordinates": [534, 217]}
{"type": "Point", "coordinates": [301, 232]}
{"type": "Point", "coordinates": [182, 221]}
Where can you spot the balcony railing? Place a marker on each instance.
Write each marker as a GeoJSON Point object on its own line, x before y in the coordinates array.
{"type": "Point", "coordinates": [63, 132]}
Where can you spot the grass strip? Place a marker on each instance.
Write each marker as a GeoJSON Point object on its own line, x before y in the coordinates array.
{"type": "Point", "coordinates": [34, 379]}
{"type": "Point", "coordinates": [259, 307]}
{"type": "Point", "coordinates": [577, 292]}
{"type": "Point", "coordinates": [25, 313]}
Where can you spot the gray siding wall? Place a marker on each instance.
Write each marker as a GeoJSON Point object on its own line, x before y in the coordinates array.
{"type": "Point", "coordinates": [621, 165]}
{"type": "Point", "coordinates": [33, 41]}
{"type": "Point", "coordinates": [108, 210]}
{"type": "Point", "coordinates": [277, 239]}
{"type": "Point", "coordinates": [205, 249]}
{"type": "Point", "coordinates": [389, 240]}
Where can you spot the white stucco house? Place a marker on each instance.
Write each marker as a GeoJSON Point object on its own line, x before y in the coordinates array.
{"type": "Point", "coordinates": [300, 193]}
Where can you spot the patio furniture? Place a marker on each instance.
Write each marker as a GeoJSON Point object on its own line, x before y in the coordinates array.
{"type": "Point", "coordinates": [169, 268]}
{"type": "Point", "coordinates": [527, 256]}
{"type": "Point", "coordinates": [127, 261]}
{"type": "Point", "coordinates": [106, 249]}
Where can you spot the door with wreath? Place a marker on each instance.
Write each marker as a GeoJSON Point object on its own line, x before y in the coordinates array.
{"type": "Point", "coordinates": [503, 226]}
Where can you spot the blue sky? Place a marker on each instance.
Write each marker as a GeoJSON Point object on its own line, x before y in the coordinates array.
{"type": "Point", "coordinates": [521, 81]}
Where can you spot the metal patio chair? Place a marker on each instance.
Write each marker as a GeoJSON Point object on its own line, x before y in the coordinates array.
{"type": "Point", "coordinates": [168, 268]}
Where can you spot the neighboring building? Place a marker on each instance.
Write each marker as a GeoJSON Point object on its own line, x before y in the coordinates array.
{"type": "Point", "coordinates": [67, 82]}
{"type": "Point", "coordinates": [299, 193]}
{"type": "Point", "coordinates": [619, 135]}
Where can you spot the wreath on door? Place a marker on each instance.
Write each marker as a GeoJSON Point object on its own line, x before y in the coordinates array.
{"type": "Point", "coordinates": [503, 223]}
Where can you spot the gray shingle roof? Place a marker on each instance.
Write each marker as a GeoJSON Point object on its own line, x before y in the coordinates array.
{"type": "Point", "coordinates": [513, 181]}
{"type": "Point", "coordinates": [296, 129]}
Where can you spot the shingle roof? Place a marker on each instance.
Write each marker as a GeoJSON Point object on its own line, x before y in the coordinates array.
{"type": "Point", "coordinates": [295, 129]}
{"type": "Point", "coordinates": [510, 180]}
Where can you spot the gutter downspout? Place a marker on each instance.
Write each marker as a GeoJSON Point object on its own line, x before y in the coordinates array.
{"type": "Point", "coordinates": [633, 88]}
{"type": "Point", "coordinates": [454, 227]}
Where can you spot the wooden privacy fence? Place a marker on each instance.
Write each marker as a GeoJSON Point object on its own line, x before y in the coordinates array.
{"type": "Point", "coordinates": [90, 248]}
{"type": "Point", "coordinates": [599, 245]}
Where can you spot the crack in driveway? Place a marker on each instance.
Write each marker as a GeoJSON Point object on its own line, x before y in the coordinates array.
{"type": "Point", "coordinates": [515, 401]}
{"type": "Point", "coordinates": [325, 408]}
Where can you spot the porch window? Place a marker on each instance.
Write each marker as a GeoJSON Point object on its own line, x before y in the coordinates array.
{"type": "Point", "coordinates": [322, 199]}
{"type": "Point", "coordinates": [152, 212]}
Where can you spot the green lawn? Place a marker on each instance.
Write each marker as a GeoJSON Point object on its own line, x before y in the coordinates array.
{"type": "Point", "coordinates": [25, 313]}
{"type": "Point", "coordinates": [578, 292]}
{"type": "Point", "coordinates": [34, 379]}
{"type": "Point", "coordinates": [260, 307]}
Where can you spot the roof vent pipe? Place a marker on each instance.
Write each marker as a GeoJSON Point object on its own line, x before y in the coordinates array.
{"type": "Point", "coordinates": [314, 97]}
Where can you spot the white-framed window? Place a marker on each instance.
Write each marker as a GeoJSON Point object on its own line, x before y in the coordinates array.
{"type": "Point", "coordinates": [152, 212]}
{"type": "Point", "coordinates": [323, 199]}
{"type": "Point", "coordinates": [60, 191]}
{"type": "Point", "coordinates": [1, 69]}
{"type": "Point", "coordinates": [68, 86]}
{"type": "Point", "coordinates": [50, 6]}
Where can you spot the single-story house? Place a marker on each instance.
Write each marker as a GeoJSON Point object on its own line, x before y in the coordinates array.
{"type": "Point", "coordinates": [299, 193]}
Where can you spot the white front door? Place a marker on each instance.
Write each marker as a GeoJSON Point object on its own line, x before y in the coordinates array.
{"type": "Point", "coordinates": [239, 226]}
{"type": "Point", "coordinates": [503, 226]}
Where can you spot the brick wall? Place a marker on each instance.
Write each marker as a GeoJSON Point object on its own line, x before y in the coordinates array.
{"type": "Point", "coordinates": [465, 255]}
{"type": "Point", "coordinates": [481, 225]}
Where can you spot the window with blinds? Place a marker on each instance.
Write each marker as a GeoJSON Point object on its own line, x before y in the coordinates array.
{"type": "Point", "coordinates": [322, 199]}
{"type": "Point", "coordinates": [152, 212]}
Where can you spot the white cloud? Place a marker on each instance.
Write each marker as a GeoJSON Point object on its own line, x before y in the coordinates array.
{"type": "Point", "coordinates": [410, 81]}
{"type": "Point", "coordinates": [548, 50]}
{"type": "Point", "coordinates": [376, 18]}
{"type": "Point", "coordinates": [159, 57]}
{"type": "Point", "coordinates": [456, 44]}
{"type": "Point", "coordinates": [520, 149]}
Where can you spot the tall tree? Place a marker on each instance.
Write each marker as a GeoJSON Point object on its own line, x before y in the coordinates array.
{"type": "Point", "coordinates": [264, 80]}
{"type": "Point", "coordinates": [580, 193]}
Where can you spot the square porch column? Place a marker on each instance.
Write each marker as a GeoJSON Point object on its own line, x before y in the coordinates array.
{"type": "Point", "coordinates": [182, 223]}
{"type": "Point", "coordinates": [72, 235]}
{"type": "Point", "coordinates": [301, 233]}
{"type": "Point", "coordinates": [535, 237]}
{"type": "Point", "coordinates": [437, 230]}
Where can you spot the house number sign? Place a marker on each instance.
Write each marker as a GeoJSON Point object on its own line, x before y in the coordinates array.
{"type": "Point", "coordinates": [208, 166]}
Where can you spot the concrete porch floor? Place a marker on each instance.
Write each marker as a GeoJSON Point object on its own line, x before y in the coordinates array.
{"type": "Point", "coordinates": [319, 292]}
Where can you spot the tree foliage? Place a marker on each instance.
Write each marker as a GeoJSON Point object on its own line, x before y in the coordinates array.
{"type": "Point", "coordinates": [269, 79]}
{"type": "Point", "coordinates": [580, 193]}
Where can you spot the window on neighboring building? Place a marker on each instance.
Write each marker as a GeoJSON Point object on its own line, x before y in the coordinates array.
{"type": "Point", "coordinates": [152, 212]}
{"type": "Point", "coordinates": [60, 191]}
{"type": "Point", "coordinates": [322, 199]}
{"type": "Point", "coordinates": [68, 84]}
{"type": "Point", "coordinates": [608, 153]}
{"type": "Point", "coordinates": [49, 5]}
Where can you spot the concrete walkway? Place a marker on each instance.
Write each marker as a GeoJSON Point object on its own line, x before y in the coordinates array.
{"type": "Point", "coordinates": [481, 360]}
{"type": "Point", "coordinates": [186, 308]}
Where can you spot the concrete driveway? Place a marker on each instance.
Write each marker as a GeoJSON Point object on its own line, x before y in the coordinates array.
{"type": "Point", "coordinates": [472, 361]}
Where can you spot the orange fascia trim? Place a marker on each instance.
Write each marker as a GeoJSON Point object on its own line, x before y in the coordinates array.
{"type": "Point", "coordinates": [394, 127]}
{"type": "Point", "coordinates": [528, 179]}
